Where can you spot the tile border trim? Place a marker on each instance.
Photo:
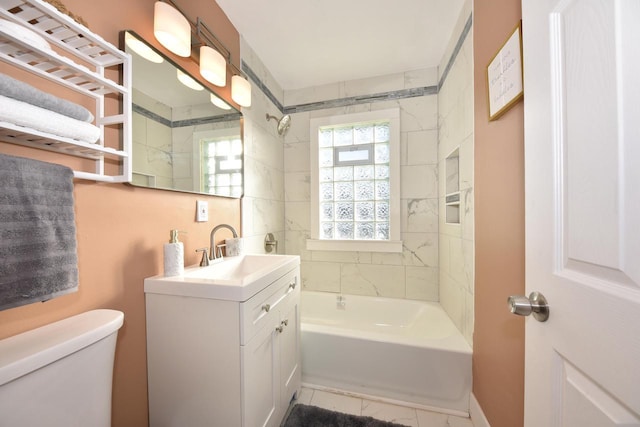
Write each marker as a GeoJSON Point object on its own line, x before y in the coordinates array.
{"type": "Point", "coordinates": [261, 85]}
{"type": "Point", "coordinates": [362, 99]}
{"type": "Point", "coordinates": [184, 123]}
{"type": "Point", "coordinates": [456, 50]}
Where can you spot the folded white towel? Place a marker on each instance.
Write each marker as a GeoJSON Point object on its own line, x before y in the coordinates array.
{"type": "Point", "coordinates": [27, 115]}
{"type": "Point", "coordinates": [24, 92]}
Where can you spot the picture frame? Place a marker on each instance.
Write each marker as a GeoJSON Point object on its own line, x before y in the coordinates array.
{"type": "Point", "coordinates": [504, 75]}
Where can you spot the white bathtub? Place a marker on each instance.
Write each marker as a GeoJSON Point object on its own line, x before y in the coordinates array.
{"type": "Point", "coordinates": [396, 350]}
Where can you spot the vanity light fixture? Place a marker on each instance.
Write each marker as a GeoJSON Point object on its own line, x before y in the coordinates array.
{"type": "Point", "coordinates": [241, 91]}
{"type": "Point", "coordinates": [188, 81]}
{"type": "Point", "coordinates": [219, 102]}
{"type": "Point", "coordinates": [213, 66]}
{"type": "Point", "coordinates": [172, 29]}
{"type": "Point", "coordinates": [142, 49]}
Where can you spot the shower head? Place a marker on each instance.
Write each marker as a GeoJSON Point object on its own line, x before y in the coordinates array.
{"type": "Point", "coordinates": [283, 123]}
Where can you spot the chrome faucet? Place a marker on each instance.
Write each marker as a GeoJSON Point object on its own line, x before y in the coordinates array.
{"type": "Point", "coordinates": [212, 242]}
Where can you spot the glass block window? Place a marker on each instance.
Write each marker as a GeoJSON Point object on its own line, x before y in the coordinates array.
{"type": "Point", "coordinates": [354, 166]}
{"type": "Point", "coordinates": [221, 165]}
{"type": "Point", "coordinates": [355, 177]}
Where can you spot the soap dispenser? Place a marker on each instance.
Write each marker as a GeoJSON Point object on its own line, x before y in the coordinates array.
{"type": "Point", "coordinates": [173, 255]}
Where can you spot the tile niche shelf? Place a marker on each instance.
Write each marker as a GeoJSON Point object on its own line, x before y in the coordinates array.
{"type": "Point", "coordinates": [452, 196]}
{"type": "Point", "coordinates": [79, 60]}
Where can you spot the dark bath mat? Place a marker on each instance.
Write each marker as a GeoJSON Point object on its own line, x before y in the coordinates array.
{"type": "Point", "coordinates": [312, 416]}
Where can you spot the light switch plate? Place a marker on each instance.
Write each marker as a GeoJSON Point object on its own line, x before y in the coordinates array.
{"type": "Point", "coordinates": [202, 211]}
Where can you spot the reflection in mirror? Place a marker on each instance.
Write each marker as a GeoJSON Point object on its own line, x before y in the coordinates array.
{"type": "Point", "coordinates": [185, 138]}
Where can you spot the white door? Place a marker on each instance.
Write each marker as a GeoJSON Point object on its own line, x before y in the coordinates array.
{"type": "Point", "coordinates": [582, 162]}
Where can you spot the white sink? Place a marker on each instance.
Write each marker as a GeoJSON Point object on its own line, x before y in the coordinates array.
{"type": "Point", "coordinates": [233, 278]}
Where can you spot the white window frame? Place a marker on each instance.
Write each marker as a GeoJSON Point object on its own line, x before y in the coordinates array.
{"type": "Point", "coordinates": [394, 244]}
{"type": "Point", "coordinates": [197, 138]}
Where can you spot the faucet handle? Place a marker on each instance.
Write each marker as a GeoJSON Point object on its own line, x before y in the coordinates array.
{"type": "Point", "coordinates": [205, 257]}
{"type": "Point", "coordinates": [220, 246]}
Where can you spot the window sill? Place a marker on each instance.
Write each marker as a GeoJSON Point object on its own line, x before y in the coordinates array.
{"type": "Point", "coordinates": [394, 246]}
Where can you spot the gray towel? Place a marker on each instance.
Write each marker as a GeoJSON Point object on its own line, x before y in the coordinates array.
{"type": "Point", "coordinates": [38, 259]}
{"type": "Point", "coordinates": [21, 91]}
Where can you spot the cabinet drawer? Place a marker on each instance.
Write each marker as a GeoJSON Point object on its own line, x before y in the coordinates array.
{"type": "Point", "coordinates": [262, 308]}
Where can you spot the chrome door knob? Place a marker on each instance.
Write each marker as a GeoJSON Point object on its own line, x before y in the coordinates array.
{"type": "Point", "coordinates": [535, 304]}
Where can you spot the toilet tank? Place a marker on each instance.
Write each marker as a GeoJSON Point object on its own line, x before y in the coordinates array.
{"type": "Point", "coordinates": [60, 374]}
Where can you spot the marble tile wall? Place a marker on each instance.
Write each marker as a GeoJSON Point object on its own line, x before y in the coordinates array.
{"type": "Point", "coordinates": [456, 241]}
{"type": "Point", "coordinates": [263, 204]}
{"type": "Point", "coordinates": [436, 118]}
{"type": "Point", "coordinates": [151, 143]}
{"type": "Point", "coordinates": [414, 272]}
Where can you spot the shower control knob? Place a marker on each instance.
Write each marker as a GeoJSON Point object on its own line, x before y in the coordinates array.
{"type": "Point", "coordinates": [535, 304]}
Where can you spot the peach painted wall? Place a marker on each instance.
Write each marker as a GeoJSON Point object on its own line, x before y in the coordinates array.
{"type": "Point", "coordinates": [121, 229]}
{"type": "Point", "coordinates": [498, 351]}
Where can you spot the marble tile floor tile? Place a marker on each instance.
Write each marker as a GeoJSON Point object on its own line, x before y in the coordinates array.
{"type": "Point", "coordinates": [382, 411]}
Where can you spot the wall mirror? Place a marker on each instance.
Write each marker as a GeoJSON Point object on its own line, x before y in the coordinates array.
{"type": "Point", "coordinates": [181, 140]}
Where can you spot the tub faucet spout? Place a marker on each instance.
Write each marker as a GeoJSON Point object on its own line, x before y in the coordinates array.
{"type": "Point", "coordinates": [212, 242]}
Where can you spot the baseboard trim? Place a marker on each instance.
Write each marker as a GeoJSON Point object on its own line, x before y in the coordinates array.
{"type": "Point", "coordinates": [475, 411]}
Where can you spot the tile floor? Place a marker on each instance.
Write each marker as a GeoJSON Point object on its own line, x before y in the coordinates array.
{"type": "Point", "coordinates": [379, 410]}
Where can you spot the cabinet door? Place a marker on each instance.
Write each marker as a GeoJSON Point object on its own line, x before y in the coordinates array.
{"type": "Point", "coordinates": [260, 378]}
{"type": "Point", "coordinates": [290, 372]}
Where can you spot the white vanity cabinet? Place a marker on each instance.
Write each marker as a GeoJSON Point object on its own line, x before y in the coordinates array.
{"type": "Point", "coordinates": [215, 362]}
{"type": "Point", "coordinates": [271, 361]}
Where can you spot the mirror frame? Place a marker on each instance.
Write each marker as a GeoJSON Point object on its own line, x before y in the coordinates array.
{"type": "Point", "coordinates": [234, 113]}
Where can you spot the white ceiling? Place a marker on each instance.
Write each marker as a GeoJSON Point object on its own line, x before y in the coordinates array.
{"type": "Point", "coordinates": [306, 43]}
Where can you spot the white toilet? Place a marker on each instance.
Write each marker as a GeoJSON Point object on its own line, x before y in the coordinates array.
{"type": "Point", "coordinates": [60, 374]}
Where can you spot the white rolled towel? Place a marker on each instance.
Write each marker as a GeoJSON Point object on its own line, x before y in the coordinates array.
{"type": "Point", "coordinates": [29, 116]}
{"type": "Point", "coordinates": [234, 247]}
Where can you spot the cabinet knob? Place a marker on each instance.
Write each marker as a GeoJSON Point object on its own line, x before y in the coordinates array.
{"type": "Point", "coordinates": [279, 328]}
{"type": "Point", "coordinates": [292, 285]}
{"type": "Point", "coordinates": [285, 322]}
{"type": "Point", "coordinates": [266, 307]}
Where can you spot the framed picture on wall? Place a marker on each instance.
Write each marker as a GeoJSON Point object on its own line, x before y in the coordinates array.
{"type": "Point", "coordinates": [504, 75]}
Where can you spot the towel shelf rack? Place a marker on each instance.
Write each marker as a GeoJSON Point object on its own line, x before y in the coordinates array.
{"type": "Point", "coordinates": [83, 62]}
